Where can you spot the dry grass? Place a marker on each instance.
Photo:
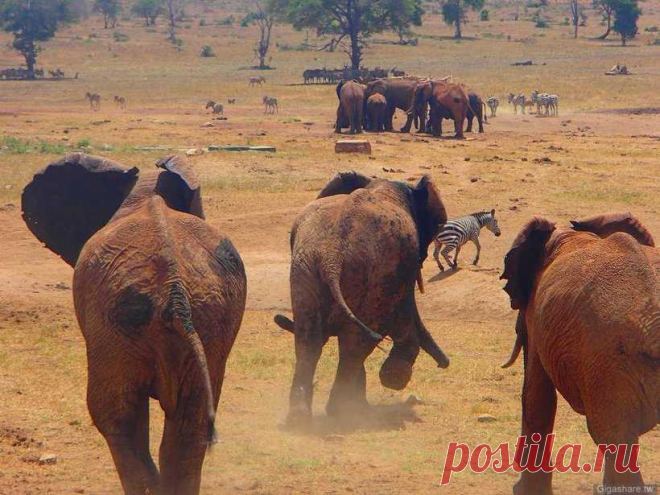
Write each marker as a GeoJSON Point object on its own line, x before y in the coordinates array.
{"type": "Point", "coordinates": [599, 162]}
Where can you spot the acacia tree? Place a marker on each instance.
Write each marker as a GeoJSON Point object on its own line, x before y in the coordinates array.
{"type": "Point", "coordinates": [110, 9]}
{"type": "Point", "coordinates": [606, 8]}
{"type": "Point", "coordinates": [31, 22]}
{"type": "Point", "coordinates": [149, 9]}
{"type": "Point", "coordinates": [349, 23]}
{"type": "Point", "coordinates": [174, 11]}
{"type": "Point", "coordinates": [626, 14]}
{"type": "Point", "coordinates": [578, 16]}
{"type": "Point", "coordinates": [402, 15]}
{"type": "Point", "coordinates": [264, 17]}
{"type": "Point", "coordinates": [454, 12]}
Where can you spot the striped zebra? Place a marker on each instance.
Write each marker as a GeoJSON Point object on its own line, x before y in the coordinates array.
{"type": "Point", "coordinates": [493, 102]}
{"type": "Point", "coordinates": [517, 101]}
{"type": "Point", "coordinates": [455, 233]}
{"type": "Point", "coordinates": [550, 103]}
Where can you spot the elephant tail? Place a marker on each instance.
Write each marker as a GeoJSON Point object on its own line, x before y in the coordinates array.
{"type": "Point", "coordinates": [284, 323]}
{"type": "Point", "coordinates": [332, 279]}
{"type": "Point", "coordinates": [485, 113]}
{"type": "Point", "coordinates": [181, 314]}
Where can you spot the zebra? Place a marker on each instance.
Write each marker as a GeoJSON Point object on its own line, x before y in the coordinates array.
{"type": "Point", "coordinates": [270, 105]}
{"type": "Point", "coordinates": [455, 233]}
{"type": "Point", "coordinates": [121, 102]}
{"type": "Point", "coordinates": [493, 102]}
{"type": "Point", "coordinates": [94, 100]}
{"type": "Point", "coordinates": [216, 108]}
{"type": "Point", "coordinates": [517, 101]}
{"type": "Point", "coordinates": [552, 104]}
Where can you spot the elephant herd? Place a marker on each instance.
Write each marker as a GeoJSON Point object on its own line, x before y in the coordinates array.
{"type": "Point", "coordinates": [371, 106]}
{"type": "Point", "coordinates": [159, 295]}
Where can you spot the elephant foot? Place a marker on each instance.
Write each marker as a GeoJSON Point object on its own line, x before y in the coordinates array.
{"type": "Point", "coordinates": [345, 407]}
{"type": "Point", "coordinates": [395, 373]}
{"type": "Point", "coordinates": [527, 486]}
{"type": "Point", "coordinates": [300, 416]}
{"type": "Point", "coordinates": [475, 262]}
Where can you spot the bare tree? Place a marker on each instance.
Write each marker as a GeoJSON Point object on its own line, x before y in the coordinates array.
{"type": "Point", "coordinates": [174, 12]}
{"type": "Point", "coordinates": [575, 14]}
{"type": "Point", "coordinates": [263, 18]}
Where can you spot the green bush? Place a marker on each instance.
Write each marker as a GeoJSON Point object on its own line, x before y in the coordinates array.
{"type": "Point", "coordinates": [652, 29]}
{"type": "Point", "coordinates": [207, 51]}
{"type": "Point", "coordinates": [226, 21]}
{"type": "Point", "coordinates": [120, 37]}
{"type": "Point", "coordinates": [484, 15]}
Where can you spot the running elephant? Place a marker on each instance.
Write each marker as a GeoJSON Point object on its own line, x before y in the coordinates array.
{"type": "Point", "coordinates": [356, 254]}
{"type": "Point", "coordinates": [588, 306]}
{"type": "Point", "coordinates": [159, 295]}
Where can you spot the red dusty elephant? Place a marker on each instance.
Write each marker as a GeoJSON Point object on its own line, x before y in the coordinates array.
{"type": "Point", "coordinates": [159, 295]}
{"type": "Point", "coordinates": [399, 93]}
{"type": "Point", "coordinates": [351, 107]}
{"type": "Point", "coordinates": [356, 253]}
{"type": "Point", "coordinates": [376, 112]}
{"type": "Point", "coordinates": [588, 302]}
{"type": "Point", "coordinates": [444, 101]}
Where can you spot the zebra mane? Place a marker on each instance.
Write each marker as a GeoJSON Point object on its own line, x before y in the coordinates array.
{"type": "Point", "coordinates": [481, 216]}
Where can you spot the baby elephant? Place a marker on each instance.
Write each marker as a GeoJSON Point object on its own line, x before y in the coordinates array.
{"type": "Point", "coordinates": [376, 111]}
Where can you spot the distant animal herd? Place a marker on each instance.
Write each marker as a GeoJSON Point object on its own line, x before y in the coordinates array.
{"type": "Point", "coordinates": [333, 76]}
{"type": "Point", "coordinates": [21, 74]}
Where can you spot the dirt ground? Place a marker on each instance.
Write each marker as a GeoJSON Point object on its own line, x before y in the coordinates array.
{"type": "Point", "coordinates": [584, 162]}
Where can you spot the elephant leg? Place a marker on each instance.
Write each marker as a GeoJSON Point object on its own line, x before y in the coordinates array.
{"type": "Point", "coordinates": [118, 413]}
{"type": "Point", "coordinates": [539, 406]}
{"type": "Point", "coordinates": [389, 117]}
{"type": "Point", "coordinates": [458, 127]}
{"type": "Point", "coordinates": [480, 121]}
{"type": "Point", "coordinates": [309, 341]}
{"type": "Point", "coordinates": [141, 441]}
{"type": "Point", "coordinates": [408, 124]}
{"type": "Point", "coordinates": [349, 389]}
{"type": "Point", "coordinates": [182, 453]}
{"type": "Point", "coordinates": [478, 245]}
{"type": "Point", "coordinates": [604, 413]}
{"type": "Point", "coordinates": [436, 256]}
{"type": "Point", "coordinates": [469, 123]}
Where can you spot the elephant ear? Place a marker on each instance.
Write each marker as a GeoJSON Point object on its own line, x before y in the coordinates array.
{"type": "Point", "coordinates": [179, 186]}
{"type": "Point", "coordinates": [524, 259]}
{"type": "Point", "coordinates": [608, 224]}
{"type": "Point", "coordinates": [344, 183]}
{"type": "Point", "coordinates": [70, 200]}
{"type": "Point", "coordinates": [430, 213]}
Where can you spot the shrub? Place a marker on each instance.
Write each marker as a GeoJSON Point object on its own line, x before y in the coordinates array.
{"type": "Point", "coordinates": [484, 15]}
{"type": "Point", "coordinates": [652, 29]}
{"type": "Point", "coordinates": [207, 51]}
{"type": "Point", "coordinates": [541, 23]}
{"type": "Point", "coordinates": [226, 21]}
{"type": "Point", "coordinates": [120, 37]}
{"type": "Point", "coordinates": [202, 22]}
{"type": "Point", "coordinates": [84, 143]}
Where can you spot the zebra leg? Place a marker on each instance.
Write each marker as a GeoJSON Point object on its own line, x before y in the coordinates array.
{"type": "Point", "coordinates": [458, 250]}
{"type": "Point", "coordinates": [436, 252]}
{"type": "Point", "coordinates": [476, 243]}
{"type": "Point", "coordinates": [445, 255]}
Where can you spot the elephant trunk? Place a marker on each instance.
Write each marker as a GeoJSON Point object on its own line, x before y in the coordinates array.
{"type": "Point", "coordinates": [429, 345]}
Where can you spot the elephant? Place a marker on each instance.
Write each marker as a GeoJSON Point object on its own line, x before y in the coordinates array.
{"type": "Point", "coordinates": [356, 254]}
{"type": "Point", "coordinates": [351, 106]}
{"type": "Point", "coordinates": [376, 111]}
{"type": "Point", "coordinates": [159, 296]}
{"type": "Point", "coordinates": [446, 101]}
{"type": "Point", "coordinates": [588, 304]}
{"type": "Point", "coordinates": [399, 93]}
{"type": "Point", "coordinates": [476, 108]}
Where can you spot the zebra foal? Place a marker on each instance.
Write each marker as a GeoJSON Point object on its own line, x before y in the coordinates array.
{"type": "Point", "coordinates": [455, 233]}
